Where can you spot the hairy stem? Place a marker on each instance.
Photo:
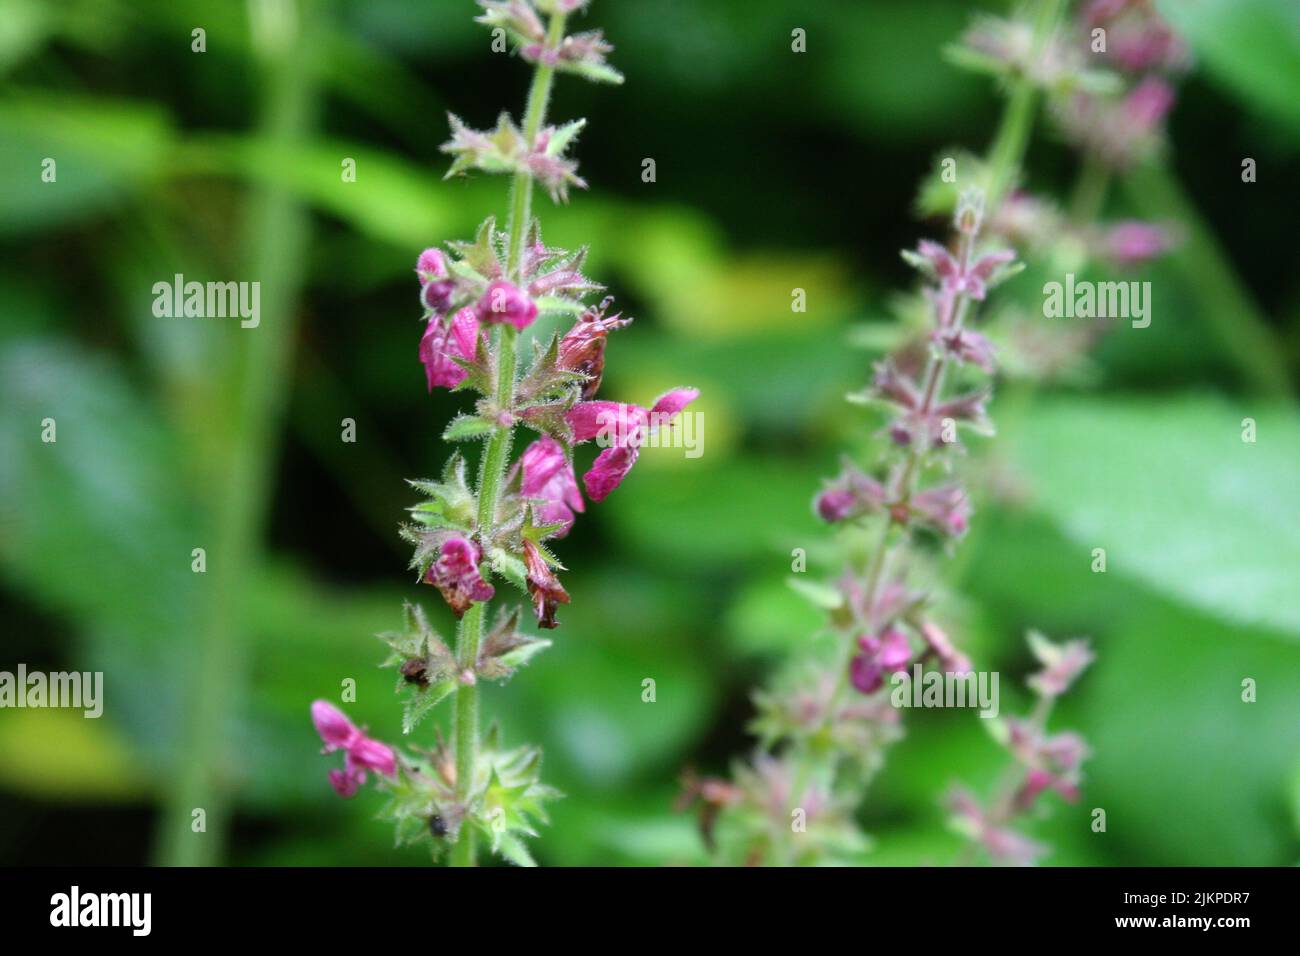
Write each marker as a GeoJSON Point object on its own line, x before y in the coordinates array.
{"type": "Point", "coordinates": [468, 636]}
{"type": "Point", "coordinates": [496, 452]}
{"type": "Point", "coordinates": [539, 96]}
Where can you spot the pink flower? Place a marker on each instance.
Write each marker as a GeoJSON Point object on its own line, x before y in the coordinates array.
{"type": "Point", "coordinates": [363, 753]}
{"type": "Point", "coordinates": [445, 341]}
{"type": "Point", "coordinates": [835, 504]}
{"type": "Point", "coordinates": [1002, 844]}
{"type": "Point", "coordinates": [1138, 39]}
{"type": "Point", "coordinates": [516, 15]}
{"type": "Point", "coordinates": [435, 286]}
{"type": "Point", "coordinates": [1148, 103]}
{"type": "Point", "coordinates": [894, 386]}
{"type": "Point", "coordinates": [967, 407]}
{"type": "Point", "coordinates": [1133, 243]}
{"type": "Point", "coordinates": [1119, 133]}
{"type": "Point", "coordinates": [624, 428]}
{"type": "Point", "coordinates": [1062, 664]}
{"type": "Point", "coordinates": [954, 278]}
{"type": "Point", "coordinates": [965, 346]}
{"type": "Point", "coordinates": [547, 473]}
{"type": "Point", "coordinates": [583, 347]}
{"type": "Point", "coordinates": [1052, 763]}
{"type": "Point", "coordinates": [850, 495]}
{"type": "Point", "coordinates": [503, 302]}
{"type": "Point", "coordinates": [456, 575]}
{"type": "Point", "coordinates": [946, 507]}
{"type": "Point", "coordinates": [608, 471]}
{"type": "Point", "coordinates": [588, 48]}
{"type": "Point", "coordinates": [951, 660]}
{"type": "Point", "coordinates": [543, 586]}
{"type": "Point", "coordinates": [889, 652]}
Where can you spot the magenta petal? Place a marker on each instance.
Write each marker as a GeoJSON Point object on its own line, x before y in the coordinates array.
{"type": "Point", "coordinates": [670, 403]}
{"type": "Point", "coordinates": [435, 353]}
{"type": "Point", "coordinates": [941, 259]}
{"type": "Point", "coordinates": [835, 504]}
{"type": "Point", "coordinates": [587, 418]}
{"type": "Point", "coordinates": [609, 470]}
{"type": "Point", "coordinates": [895, 650]}
{"type": "Point", "coordinates": [540, 462]}
{"type": "Point", "coordinates": [1147, 105]}
{"type": "Point", "coordinates": [865, 675]}
{"type": "Point", "coordinates": [548, 475]}
{"type": "Point", "coordinates": [431, 265]}
{"type": "Point", "coordinates": [464, 327]}
{"type": "Point", "coordinates": [1132, 243]}
{"type": "Point", "coordinates": [987, 265]}
{"type": "Point", "coordinates": [373, 755]}
{"type": "Point", "coordinates": [617, 421]}
{"type": "Point", "coordinates": [503, 302]}
{"type": "Point", "coordinates": [456, 575]}
{"type": "Point", "coordinates": [346, 783]}
{"type": "Point", "coordinates": [334, 728]}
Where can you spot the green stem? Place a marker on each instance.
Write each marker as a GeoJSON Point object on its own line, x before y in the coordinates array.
{"type": "Point", "coordinates": [277, 238]}
{"type": "Point", "coordinates": [496, 453]}
{"type": "Point", "coordinates": [1089, 193]}
{"type": "Point", "coordinates": [1233, 317]}
{"type": "Point", "coordinates": [1012, 139]}
{"type": "Point", "coordinates": [468, 636]}
{"type": "Point", "coordinates": [539, 97]}
{"type": "Point", "coordinates": [1005, 156]}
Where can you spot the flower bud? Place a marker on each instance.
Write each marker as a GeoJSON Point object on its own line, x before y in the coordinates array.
{"type": "Point", "coordinates": [504, 302]}
{"type": "Point", "coordinates": [456, 574]}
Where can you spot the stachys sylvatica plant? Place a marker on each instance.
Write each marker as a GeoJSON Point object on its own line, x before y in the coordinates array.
{"type": "Point", "coordinates": [826, 721]}
{"type": "Point", "coordinates": [474, 535]}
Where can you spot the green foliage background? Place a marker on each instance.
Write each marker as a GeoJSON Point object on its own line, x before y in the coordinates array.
{"type": "Point", "coordinates": [775, 170]}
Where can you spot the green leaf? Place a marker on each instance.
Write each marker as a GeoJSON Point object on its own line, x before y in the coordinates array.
{"type": "Point", "coordinates": [1177, 499]}
{"type": "Point", "coordinates": [558, 305]}
{"type": "Point", "coordinates": [509, 567]}
{"type": "Point", "coordinates": [465, 427]}
{"type": "Point", "coordinates": [563, 136]}
{"type": "Point", "coordinates": [524, 653]}
{"type": "Point", "coordinates": [1250, 46]}
{"type": "Point", "coordinates": [821, 594]}
{"type": "Point", "coordinates": [596, 72]}
{"type": "Point", "coordinates": [513, 849]}
{"type": "Point", "coordinates": [73, 130]}
{"type": "Point", "coordinates": [418, 705]}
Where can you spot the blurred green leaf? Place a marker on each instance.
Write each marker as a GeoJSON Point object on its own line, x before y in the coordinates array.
{"type": "Point", "coordinates": [73, 130]}
{"type": "Point", "coordinates": [62, 755]}
{"type": "Point", "coordinates": [700, 515]}
{"type": "Point", "coordinates": [1177, 499]}
{"type": "Point", "coordinates": [1251, 46]}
